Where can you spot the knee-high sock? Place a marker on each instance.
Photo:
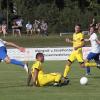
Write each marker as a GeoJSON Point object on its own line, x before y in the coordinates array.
{"type": "Point", "coordinates": [90, 64]}
{"type": "Point", "coordinates": [16, 62]}
{"type": "Point", "coordinates": [87, 70]}
{"type": "Point", "coordinates": [66, 71]}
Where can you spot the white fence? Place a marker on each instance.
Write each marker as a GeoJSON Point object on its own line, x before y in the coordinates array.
{"type": "Point", "coordinates": [59, 53]}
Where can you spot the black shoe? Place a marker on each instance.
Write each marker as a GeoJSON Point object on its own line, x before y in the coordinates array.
{"type": "Point", "coordinates": [65, 81]}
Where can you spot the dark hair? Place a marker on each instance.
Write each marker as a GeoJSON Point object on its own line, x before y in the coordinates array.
{"type": "Point", "coordinates": [93, 28]}
{"type": "Point", "coordinates": [39, 55]}
{"type": "Point", "coordinates": [78, 25]}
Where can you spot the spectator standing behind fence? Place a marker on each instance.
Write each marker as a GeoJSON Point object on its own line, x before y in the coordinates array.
{"type": "Point", "coordinates": [19, 23]}
{"type": "Point", "coordinates": [36, 27]}
{"type": "Point", "coordinates": [15, 29]}
{"type": "Point", "coordinates": [4, 28]}
{"type": "Point", "coordinates": [44, 28]}
{"type": "Point", "coordinates": [29, 28]}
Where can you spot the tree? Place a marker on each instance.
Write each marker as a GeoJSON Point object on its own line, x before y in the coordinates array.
{"type": "Point", "coordinates": [60, 4]}
{"type": "Point", "coordinates": [61, 15]}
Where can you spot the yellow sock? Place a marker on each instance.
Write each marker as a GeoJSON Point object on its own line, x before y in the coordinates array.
{"type": "Point", "coordinates": [90, 64]}
{"type": "Point", "coordinates": [66, 71]}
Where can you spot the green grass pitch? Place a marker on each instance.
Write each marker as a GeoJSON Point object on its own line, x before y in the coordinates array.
{"type": "Point", "coordinates": [13, 84]}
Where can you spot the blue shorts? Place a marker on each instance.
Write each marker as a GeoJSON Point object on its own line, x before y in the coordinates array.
{"type": "Point", "coordinates": [93, 56]}
{"type": "Point", "coordinates": [3, 53]}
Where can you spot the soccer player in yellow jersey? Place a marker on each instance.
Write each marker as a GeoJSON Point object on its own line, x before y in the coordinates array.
{"type": "Point", "coordinates": [39, 78]}
{"type": "Point", "coordinates": [78, 43]}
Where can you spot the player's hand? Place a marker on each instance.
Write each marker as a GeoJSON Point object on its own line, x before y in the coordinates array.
{"type": "Point", "coordinates": [86, 40]}
{"type": "Point", "coordinates": [75, 48]}
{"type": "Point", "coordinates": [22, 49]}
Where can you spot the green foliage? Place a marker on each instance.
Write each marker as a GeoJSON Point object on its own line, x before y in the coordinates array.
{"type": "Point", "coordinates": [42, 41]}
{"type": "Point", "coordinates": [59, 20]}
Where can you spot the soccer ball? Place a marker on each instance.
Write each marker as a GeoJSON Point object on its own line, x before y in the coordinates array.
{"type": "Point", "coordinates": [83, 80]}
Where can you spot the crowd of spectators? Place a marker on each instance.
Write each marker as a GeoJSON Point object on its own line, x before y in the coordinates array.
{"type": "Point", "coordinates": [38, 27]}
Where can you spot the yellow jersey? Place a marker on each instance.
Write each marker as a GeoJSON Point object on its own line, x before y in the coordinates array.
{"type": "Point", "coordinates": [37, 65]}
{"type": "Point", "coordinates": [78, 39]}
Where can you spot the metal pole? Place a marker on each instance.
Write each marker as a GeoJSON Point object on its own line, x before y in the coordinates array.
{"type": "Point", "coordinates": [7, 14]}
{"type": "Point", "coordinates": [0, 4]}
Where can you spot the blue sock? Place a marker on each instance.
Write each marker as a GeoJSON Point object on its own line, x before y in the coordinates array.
{"type": "Point", "coordinates": [16, 62]}
{"type": "Point", "coordinates": [88, 70]}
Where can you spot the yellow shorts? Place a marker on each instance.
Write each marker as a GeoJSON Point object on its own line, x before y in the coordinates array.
{"type": "Point", "coordinates": [45, 79]}
{"type": "Point", "coordinates": [76, 55]}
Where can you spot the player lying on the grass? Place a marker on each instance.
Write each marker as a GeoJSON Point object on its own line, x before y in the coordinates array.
{"type": "Point", "coordinates": [6, 58]}
{"type": "Point", "coordinates": [95, 50]}
{"type": "Point", "coordinates": [39, 78]}
{"type": "Point", "coordinates": [78, 43]}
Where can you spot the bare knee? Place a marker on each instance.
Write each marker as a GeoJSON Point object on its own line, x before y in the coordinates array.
{"type": "Point", "coordinates": [7, 60]}
{"type": "Point", "coordinates": [69, 63]}
{"type": "Point", "coordinates": [82, 65]}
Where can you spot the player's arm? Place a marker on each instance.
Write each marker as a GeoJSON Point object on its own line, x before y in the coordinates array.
{"type": "Point", "coordinates": [15, 45]}
{"type": "Point", "coordinates": [35, 76]}
{"type": "Point", "coordinates": [29, 79]}
{"type": "Point", "coordinates": [68, 40]}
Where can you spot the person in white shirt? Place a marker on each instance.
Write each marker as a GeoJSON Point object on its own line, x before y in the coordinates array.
{"type": "Point", "coordinates": [19, 23]}
{"type": "Point", "coordinates": [6, 58]}
{"type": "Point", "coordinates": [29, 28]}
{"type": "Point", "coordinates": [95, 48]}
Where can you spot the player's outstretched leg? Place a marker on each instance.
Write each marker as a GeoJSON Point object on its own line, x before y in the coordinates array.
{"type": "Point", "coordinates": [92, 64]}
{"type": "Point", "coordinates": [16, 62]}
